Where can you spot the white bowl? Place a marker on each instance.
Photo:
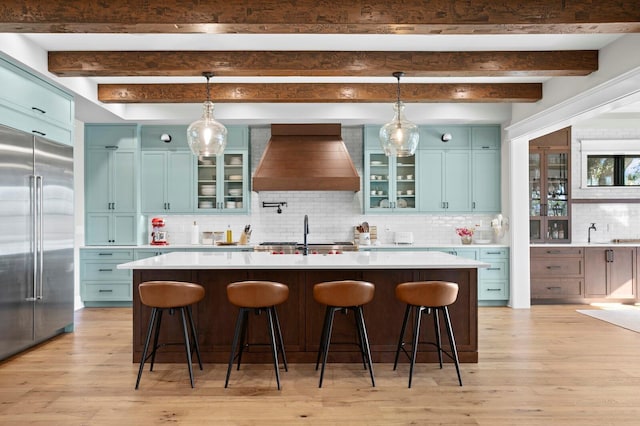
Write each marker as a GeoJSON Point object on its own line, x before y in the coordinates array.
{"type": "Point", "coordinates": [235, 192]}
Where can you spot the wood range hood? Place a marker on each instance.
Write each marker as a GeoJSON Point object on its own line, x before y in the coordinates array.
{"type": "Point", "coordinates": [306, 157]}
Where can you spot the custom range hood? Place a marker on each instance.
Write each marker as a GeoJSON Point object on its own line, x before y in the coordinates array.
{"type": "Point", "coordinates": [306, 157]}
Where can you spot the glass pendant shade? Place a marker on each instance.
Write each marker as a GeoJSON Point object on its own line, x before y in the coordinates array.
{"type": "Point", "coordinates": [206, 136]}
{"type": "Point", "coordinates": [399, 137]}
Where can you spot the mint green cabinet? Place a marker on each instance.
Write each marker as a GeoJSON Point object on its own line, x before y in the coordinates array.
{"type": "Point", "coordinates": [485, 181]}
{"type": "Point", "coordinates": [111, 181]}
{"type": "Point", "coordinates": [486, 137]}
{"type": "Point", "coordinates": [167, 182]}
{"type": "Point", "coordinates": [431, 137]}
{"type": "Point", "coordinates": [101, 282]}
{"type": "Point", "coordinates": [494, 281]}
{"type": "Point", "coordinates": [222, 182]}
{"type": "Point", "coordinates": [33, 105]}
{"type": "Point", "coordinates": [445, 180]}
{"type": "Point", "coordinates": [389, 182]}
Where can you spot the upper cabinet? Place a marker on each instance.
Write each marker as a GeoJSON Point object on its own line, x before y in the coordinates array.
{"type": "Point", "coordinates": [223, 181]}
{"type": "Point", "coordinates": [455, 170]}
{"type": "Point", "coordinates": [390, 183]}
{"type": "Point", "coordinates": [549, 187]}
{"type": "Point", "coordinates": [167, 167]}
{"type": "Point", "coordinates": [32, 105]}
{"type": "Point", "coordinates": [111, 196]}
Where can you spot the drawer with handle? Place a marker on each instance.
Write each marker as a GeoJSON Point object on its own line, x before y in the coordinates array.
{"type": "Point", "coordinates": [104, 271]}
{"type": "Point", "coordinates": [494, 253]}
{"type": "Point", "coordinates": [107, 255]}
{"type": "Point", "coordinates": [551, 267]}
{"type": "Point", "coordinates": [94, 292]}
{"type": "Point", "coordinates": [497, 271]}
{"type": "Point", "coordinates": [550, 289]}
{"type": "Point", "coordinates": [493, 290]}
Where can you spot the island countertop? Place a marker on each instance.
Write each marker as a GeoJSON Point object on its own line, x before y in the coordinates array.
{"type": "Point", "coordinates": [261, 260]}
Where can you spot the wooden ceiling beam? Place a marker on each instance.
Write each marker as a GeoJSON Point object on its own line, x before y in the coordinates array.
{"type": "Point", "coordinates": [319, 93]}
{"type": "Point", "coordinates": [322, 63]}
{"type": "Point", "coordinates": [322, 17]}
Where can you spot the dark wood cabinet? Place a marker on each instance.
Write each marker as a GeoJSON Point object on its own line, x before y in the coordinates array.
{"type": "Point", "coordinates": [557, 273]}
{"type": "Point", "coordinates": [550, 187]}
{"type": "Point", "coordinates": [610, 272]}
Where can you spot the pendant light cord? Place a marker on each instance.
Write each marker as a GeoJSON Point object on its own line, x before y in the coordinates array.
{"type": "Point", "coordinates": [208, 75]}
{"type": "Point", "coordinates": [397, 75]}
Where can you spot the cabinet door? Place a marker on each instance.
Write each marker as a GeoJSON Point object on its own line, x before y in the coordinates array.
{"type": "Point", "coordinates": [431, 185]}
{"type": "Point", "coordinates": [97, 229]}
{"type": "Point", "coordinates": [124, 181]}
{"type": "Point", "coordinates": [378, 181]}
{"type": "Point", "coordinates": [98, 180]}
{"type": "Point", "coordinates": [621, 273]}
{"type": "Point", "coordinates": [179, 182]}
{"type": "Point", "coordinates": [405, 183]}
{"type": "Point", "coordinates": [153, 176]}
{"type": "Point", "coordinates": [233, 193]}
{"type": "Point", "coordinates": [486, 181]}
{"type": "Point", "coordinates": [595, 272]}
{"type": "Point", "coordinates": [124, 229]}
{"type": "Point", "coordinates": [457, 181]}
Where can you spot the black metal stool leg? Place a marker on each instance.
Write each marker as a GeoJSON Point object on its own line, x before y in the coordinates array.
{"type": "Point", "coordinates": [325, 325]}
{"type": "Point", "coordinates": [359, 332]}
{"type": "Point", "coordinates": [402, 331]}
{"type": "Point", "coordinates": [274, 348]}
{"type": "Point", "coordinates": [436, 324]}
{"type": "Point", "coordinates": [279, 336]}
{"type": "Point", "coordinates": [243, 335]}
{"type": "Point", "coordinates": [363, 331]}
{"type": "Point", "coordinates": [155, 337]}
{"type": "Point", "coordinates": [194, 336]}
{"type": "Point", "coordinates": [452, 342]}
{"type": "Point", "coordinates": [187, 346]}
{"type": "Point", "coordinates": [236, 336]}
{"type": "Point", "coordinates": [327, 343]}
{"type": "Point", "coordinates": [414, 347]}
{"type": "Point", "coordinates": [146, 345]}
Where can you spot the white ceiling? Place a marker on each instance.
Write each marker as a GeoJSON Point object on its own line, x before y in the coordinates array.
{"type": "Point", "coordinates": [91, 109]}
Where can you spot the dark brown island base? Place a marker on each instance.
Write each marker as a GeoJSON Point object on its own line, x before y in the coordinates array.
{"type": "Point", "coordinates": [301, 317]}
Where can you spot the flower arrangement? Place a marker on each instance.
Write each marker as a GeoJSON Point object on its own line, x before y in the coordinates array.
{"type": "Point", "coordinates": [465, 232]}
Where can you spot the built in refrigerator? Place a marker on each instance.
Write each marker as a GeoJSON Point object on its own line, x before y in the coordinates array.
{"type": "Point", "coordinates": [36, 240]}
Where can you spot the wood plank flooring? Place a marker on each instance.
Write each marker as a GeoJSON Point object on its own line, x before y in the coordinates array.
{"type": "Point", "coordinates": [548, 365]}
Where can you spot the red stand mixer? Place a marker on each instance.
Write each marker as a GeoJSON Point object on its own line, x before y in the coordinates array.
{"type": "Point", "coordinates": [158, 236]}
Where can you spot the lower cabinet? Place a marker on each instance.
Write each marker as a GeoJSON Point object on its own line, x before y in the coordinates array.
{"type": "Point", "coordinates": [493, 282]}
{"type": "Point", "coordinates": [101, 282]}
{"type": "Point", "coordinates": [557, 274]}
{"type": "Point", "coordinates": [610, 272]}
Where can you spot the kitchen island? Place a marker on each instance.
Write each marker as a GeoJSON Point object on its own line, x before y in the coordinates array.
{"type": "Point", "coordinates": [301, 316]}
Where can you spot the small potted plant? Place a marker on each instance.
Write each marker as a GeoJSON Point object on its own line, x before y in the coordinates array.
{"type": "Point", "coordinates": [465, 234]}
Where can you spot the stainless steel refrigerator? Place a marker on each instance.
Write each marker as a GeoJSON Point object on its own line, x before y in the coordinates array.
{"type": "Point", "coordinates": [36, 240]}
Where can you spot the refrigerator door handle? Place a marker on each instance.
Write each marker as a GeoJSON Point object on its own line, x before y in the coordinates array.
{"type": "Point", "coordinates": [34, 233]}
{"type": "Point", "coordinates": [40, 240]}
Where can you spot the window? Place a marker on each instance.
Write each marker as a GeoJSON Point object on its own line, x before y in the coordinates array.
{"type": "Point", "coordinates": [610, 163]}
{"type": "Point", "coordinates": [613, 170]}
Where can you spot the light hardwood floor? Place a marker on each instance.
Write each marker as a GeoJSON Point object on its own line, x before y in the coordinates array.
{"type": "Point", "coordinates": [547, 365]}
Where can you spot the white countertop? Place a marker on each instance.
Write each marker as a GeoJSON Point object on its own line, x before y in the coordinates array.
{"type": "Point", "coordinates": [583, 244]}
{"type": "Point", "coordinates": [261, 260]}
{"type": "Point", "coordinates": [429, 246]}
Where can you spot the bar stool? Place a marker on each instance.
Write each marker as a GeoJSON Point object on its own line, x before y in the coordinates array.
{"type": "Point", "coordinates": [344, 296]}
{"type": "Point", "coordinates": [257, 296]}
{"type": "Point", "coordinates": [161, 295]}
{"type": "Point", "coordinates": [427, 295]}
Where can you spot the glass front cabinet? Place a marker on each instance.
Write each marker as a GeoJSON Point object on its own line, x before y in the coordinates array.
{"type": "Point", "coordinates": [223, 181]}
{"type": "Point", "coordinates": [549, 198]}
{"type": "Point", "coordinates": [390, 183]}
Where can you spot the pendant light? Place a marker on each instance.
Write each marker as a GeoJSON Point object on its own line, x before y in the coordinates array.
{"type": "Point", "coordinates": [399, 138]}
{"type": "Point", "coordinates": [206, 136]}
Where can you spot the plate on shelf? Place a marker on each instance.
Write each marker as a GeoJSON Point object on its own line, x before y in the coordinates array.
{"type": "Point", "coordinates": [235, 177]}
{"type": "Point", "coordinates": [402, 203]}
{"type": "Point", "coordinates": [384, 204]}
{"type": "Point", "coordinates": [235, 192]}
{"type": "Point", "coordinates": [376, 163]}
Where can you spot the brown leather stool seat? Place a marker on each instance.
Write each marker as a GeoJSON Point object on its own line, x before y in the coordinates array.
{"type": "Point", "coordinates": [257, 296]}
{"type": "Point", "coordinates": [161, 295]}
{"type": "Point", "coordinates": [344, 296]}
{"type": "Point", "coordinates": [427, 296]}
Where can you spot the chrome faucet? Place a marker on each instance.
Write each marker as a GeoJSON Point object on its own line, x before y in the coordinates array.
{"type": "Point", "coordinates": [305, 232]}
{"type": "Point", "coordinates": [593, 226]}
